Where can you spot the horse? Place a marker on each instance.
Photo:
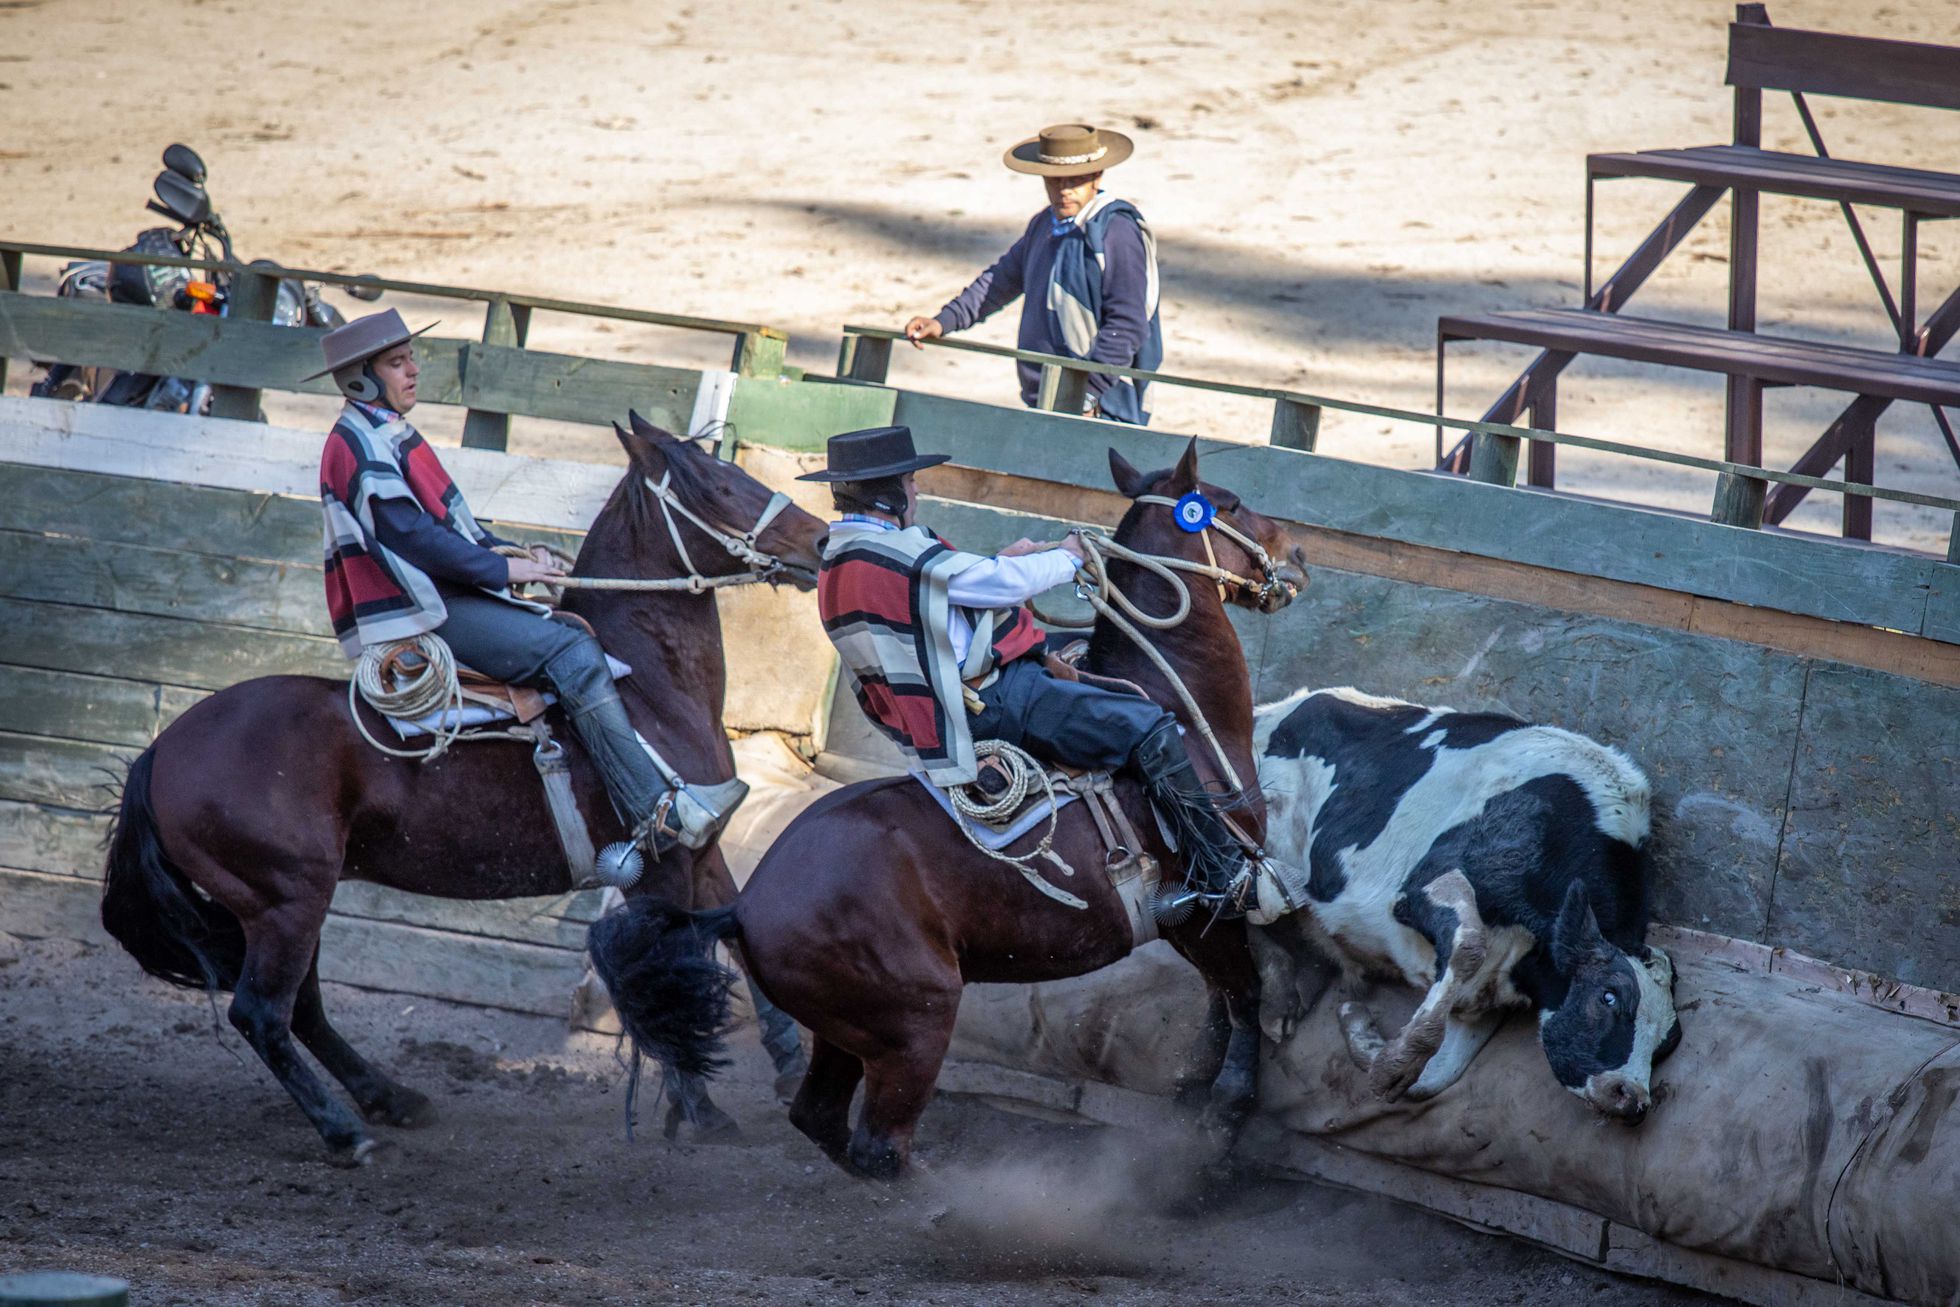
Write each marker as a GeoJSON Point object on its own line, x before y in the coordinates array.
{"type": "Point", "coordinates": [235, 825]}
{"type": "Point", "coordinates": [868, 915]}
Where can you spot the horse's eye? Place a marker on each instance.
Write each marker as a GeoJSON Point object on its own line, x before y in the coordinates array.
{"type": "Point", "coordinates": [1609, 998]}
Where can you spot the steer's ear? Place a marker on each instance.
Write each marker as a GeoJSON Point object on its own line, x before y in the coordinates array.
{"type": "Point", "coordinates": [1577, 932]}
{"type": "Point", "coordinates": [1128, 480]}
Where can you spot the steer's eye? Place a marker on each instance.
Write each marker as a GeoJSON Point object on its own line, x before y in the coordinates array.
{"type": "Point", "coordinates": [1609, 998]}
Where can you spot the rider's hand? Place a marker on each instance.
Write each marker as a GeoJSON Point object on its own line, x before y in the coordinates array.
{"type": "Point", "coordinates": [545, 557]}
{"type": "Point", "coordinates": [919, 330]}
{"type": "Point", "coordinates": [1071, 544]}
{"type": "Point", "coordinates": [526, 570]}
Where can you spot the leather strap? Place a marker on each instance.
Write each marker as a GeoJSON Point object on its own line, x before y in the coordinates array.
{"type": "Point", "coordinates": [549, 757]}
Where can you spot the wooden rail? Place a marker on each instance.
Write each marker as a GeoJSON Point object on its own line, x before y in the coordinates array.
{"type": "Point", "coordinates": [1496, 446]}
{"type": "Point", "coordinates": [242, 354]}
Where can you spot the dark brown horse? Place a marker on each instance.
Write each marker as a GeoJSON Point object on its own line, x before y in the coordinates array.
{"type": "Point", "coordinates": [237, 823]}
{"type": "Point", "coordinates": [869, 914]}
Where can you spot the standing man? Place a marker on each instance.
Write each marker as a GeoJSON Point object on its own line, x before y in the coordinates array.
{"type": "Point", "coordinates": [1086, 267]}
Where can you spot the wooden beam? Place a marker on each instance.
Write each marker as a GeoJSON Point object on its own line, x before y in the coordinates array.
{"type": "Point", "coordinates": [759, 353]}
{"type": "Point", "coordinates": [483, 429]}
{"type": "Point", "coordinates": [9, 281]}
{"type": "Point", "coordinates": [1295, 425]}
{"type": "Point", "coordinates": [568, 388]}
{"type": "Point", "coordinates": [1738, 501]}
{"type": "Point", "coordinates": [1063, 390]}
{"type": "Point", "coordinates": [252, 297]}
{"type": "Point", "coordinates": [1494, 459]}
{"type": "Point", "coordinates": [101, 709]}
{"type": "Point", "coordinates": [864, 358]}
{"type": "Point", "coordinates": [193, 655]}
{"type": "Point", "coordinates": [1936, 660]}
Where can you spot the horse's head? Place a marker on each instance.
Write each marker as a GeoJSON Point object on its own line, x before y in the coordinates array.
{"type": "Point", "coordinates": [722, 519]}
{"type": "Point", "coordinates": [1267, 567]}
{"type": "Point", "coordinates": [1617, 1020]}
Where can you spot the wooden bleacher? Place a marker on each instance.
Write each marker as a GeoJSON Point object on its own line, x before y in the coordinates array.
{"type": "Point", "coordinates": [1762, 57]}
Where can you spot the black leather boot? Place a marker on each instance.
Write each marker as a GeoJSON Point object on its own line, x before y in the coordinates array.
{"type": "Point", "coordinates": [1214, 863]}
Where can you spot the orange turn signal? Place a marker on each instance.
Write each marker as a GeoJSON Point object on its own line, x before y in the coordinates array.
{"type": "Point", "coordinates": [204, 291]}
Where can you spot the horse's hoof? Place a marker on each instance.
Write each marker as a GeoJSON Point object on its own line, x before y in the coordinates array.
{"type": "Point", "coordinates": [787, 1085]}
{"type": "Point", "coordinates": [404, 1109]}
{"type": "Point", "coordinates": [359, 1153]}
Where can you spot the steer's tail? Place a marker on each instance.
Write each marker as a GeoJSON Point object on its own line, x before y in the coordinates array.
{"type": "Point", "coordinates": [170, 928]}
{"type": "Point", "coordinates": [671, 993]}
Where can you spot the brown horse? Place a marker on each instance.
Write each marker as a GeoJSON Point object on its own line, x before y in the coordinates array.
{"type": "Point", "coordinates": [237, 823]}
{"type": "Point", "coordinates": [869, 914]}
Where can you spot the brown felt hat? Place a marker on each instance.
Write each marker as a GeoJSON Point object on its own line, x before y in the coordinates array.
{"type": "Point", "coordinates": [1069, 150]}
{"type": "Point", "coordinates": [363, 338]}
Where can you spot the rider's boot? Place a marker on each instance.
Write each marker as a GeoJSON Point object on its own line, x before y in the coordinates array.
{"type": "Point", "coordinates": [1216, 868]}
{"type": "Point", "coordinates": [661, 815]}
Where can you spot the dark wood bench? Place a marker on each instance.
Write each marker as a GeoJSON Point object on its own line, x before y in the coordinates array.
{"type": "Point", "coordinates": [1762, 57]}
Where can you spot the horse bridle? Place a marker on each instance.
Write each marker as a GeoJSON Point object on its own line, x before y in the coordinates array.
{"type": "Point", "coordinates": [1262, 591]}
{"type": "Point", "coordinates": [762, 566]}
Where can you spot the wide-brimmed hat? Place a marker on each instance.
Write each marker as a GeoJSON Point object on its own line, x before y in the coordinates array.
{"type": "Point", "coordinates": [872, 453]}
{"type": "Point", "coordinates": [1069, 150]}
{"type": "Point", "coordinates": [363, 338]}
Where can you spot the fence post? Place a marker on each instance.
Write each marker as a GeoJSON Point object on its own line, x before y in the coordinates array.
{"type": "Point", "coordinates": [759, 353]}
{"type": "Point", "coordinates": [508, 325]}
{"type": "Point", "coordinates": [1953, 542]}
{"type": "Point", "coordinates": [1739, 500]}
{"type": "Point", "coordinates": [251, 299]}
{"type": "Point", "coordinates": [1494, 458]}
{"type": "Point", "coordinates": [9, 280]}
{"type": "Point", "coordinates": [1295, 425]}
{"type": "Point", "coordinates": [1063, 390]}
{"type": "Point", "coordinates": [865, 358]}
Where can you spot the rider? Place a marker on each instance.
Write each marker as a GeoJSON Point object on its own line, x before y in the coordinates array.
{"type": "Point", "coordinates": [942, 650]}
{"type": "Point", "coordinates": [405, 556]}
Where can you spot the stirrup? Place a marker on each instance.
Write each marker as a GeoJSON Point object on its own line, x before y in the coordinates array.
{"type": "Point", "coordinates": [693, 815]}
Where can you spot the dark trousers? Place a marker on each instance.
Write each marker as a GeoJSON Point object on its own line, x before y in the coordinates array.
{"type": "Point", "coordinates": [1064, 721]}
{"type": "Point", "coordinates": [515, 644]}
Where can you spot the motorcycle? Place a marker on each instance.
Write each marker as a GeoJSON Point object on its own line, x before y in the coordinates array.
{"type": "Point", "coordinates": [200, 233]}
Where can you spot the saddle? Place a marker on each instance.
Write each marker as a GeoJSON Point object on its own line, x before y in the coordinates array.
{"type": "Point", "coordinates": [1133, 873]}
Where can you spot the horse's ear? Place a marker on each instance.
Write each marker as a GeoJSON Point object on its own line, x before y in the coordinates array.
{"type": "Point", "coordinates": [645, 429]}
{"type": "Point", "coordinates": [1127, 478]}
{"type": "Point", "coordinates": [1184, 477]}
{"type": "Point", "coordinates": [641, 450]}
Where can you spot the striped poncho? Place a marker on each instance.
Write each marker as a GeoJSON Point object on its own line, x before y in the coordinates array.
{"type": "Point", "coordinates": [374, 594]}
{"type": "Point", "coordinates": [882, 596]}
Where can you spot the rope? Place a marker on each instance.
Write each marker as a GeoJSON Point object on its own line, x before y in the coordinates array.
{"type": "Point", "coordinates": [1020, 767]}
{"type": "Point", "coordinates": [557, 586]}
{"type": "Point", "coordinates": [381, 677]}
{"type": "Point", "coordinates": [1105, 597]}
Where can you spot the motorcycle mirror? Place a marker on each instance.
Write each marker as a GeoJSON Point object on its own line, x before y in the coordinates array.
{"type": "Point", "coordinates": [183, 160]}
{"type": "Point", "coordinates": [361, 291]}
{"type": "Point", "coordinates": [184, 199]}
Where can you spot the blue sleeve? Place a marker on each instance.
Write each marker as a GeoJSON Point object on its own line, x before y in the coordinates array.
{"type": "Point", "coordinates": [1125, 300]}
{"type": "Point", "coordinates": [404, 527]}
{"type": "Point", "coordinates": [993, 289]}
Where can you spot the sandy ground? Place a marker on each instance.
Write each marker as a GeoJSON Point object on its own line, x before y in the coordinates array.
{"type": "Point", "coordinates": [132, 1144]}
{"type": "Point", "coordinates": [1325, 180]}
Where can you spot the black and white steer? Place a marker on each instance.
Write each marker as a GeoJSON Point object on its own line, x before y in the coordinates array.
{"type": "Point", "coordinates": [1491, 862]}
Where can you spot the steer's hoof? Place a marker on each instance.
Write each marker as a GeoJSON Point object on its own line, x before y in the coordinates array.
{"type": "Point", "coordinates": [1363, 1036]}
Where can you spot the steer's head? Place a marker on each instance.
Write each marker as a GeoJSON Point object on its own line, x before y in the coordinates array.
{"type": "Point", "coordinates": [1617, 1019]}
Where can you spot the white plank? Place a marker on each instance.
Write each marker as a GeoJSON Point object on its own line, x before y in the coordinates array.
{"type": "Point", "coordinates": [278, 460]}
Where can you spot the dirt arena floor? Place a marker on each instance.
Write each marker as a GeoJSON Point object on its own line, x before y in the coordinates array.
{"type": "Point", "coordinates": [133, 1144]}
{"type": "Point", "coordinates": [1324, 179]}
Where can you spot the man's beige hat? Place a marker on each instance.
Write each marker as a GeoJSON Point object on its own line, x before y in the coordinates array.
{"type": "Point", "coordinates": [1069, 150]}
{"type": "Point", "coordinates": [363, 338]}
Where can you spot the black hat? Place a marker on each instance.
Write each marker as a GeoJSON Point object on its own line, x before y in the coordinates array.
{"type": "Point", "coordinates": [873, 453]}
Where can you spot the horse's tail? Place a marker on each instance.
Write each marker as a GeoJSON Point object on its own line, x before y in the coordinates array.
{"type": "Point", "coordinates": [671, 993]}
{"type": "Point", "coordinates": [170, 928]}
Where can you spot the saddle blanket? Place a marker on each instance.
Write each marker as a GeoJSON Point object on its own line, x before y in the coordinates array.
{"type": "Point", "coordinates": [472, 715]}
{"type": "Point", "coordinates": [1035, 813]}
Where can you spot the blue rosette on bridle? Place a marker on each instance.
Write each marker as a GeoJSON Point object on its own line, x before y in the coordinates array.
{"type": "Point", "coordinates": [1193, 512]}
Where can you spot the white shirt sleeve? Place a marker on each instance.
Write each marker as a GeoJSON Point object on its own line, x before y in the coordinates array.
{"type": "Point", "coordinates": [1003, 582]}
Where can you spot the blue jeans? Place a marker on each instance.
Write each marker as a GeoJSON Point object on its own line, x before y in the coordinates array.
{"type": "Point", "coordinates": [527, 648]}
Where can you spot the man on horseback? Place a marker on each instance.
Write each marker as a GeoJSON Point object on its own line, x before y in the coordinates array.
{"type": "Point", "coordinates": [942, 650]}
{"type": "Point", "coordinates": [405, 556]}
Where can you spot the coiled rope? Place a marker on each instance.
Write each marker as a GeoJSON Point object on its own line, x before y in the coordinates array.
{"type": "Point", "coordinates": [1023, 770]}
{"type": "Point", "coordinates": [384, 678]}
